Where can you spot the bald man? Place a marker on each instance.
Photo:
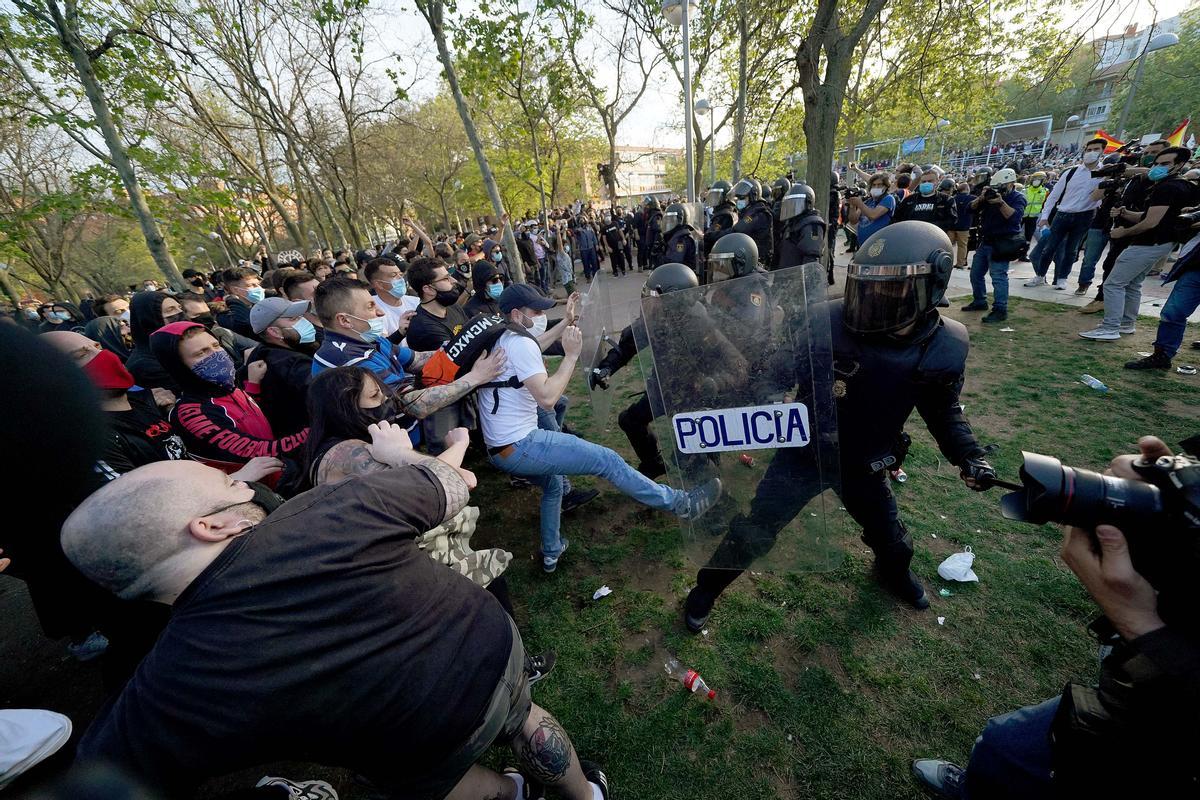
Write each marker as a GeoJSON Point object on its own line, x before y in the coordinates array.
{"type": "Point", "coordinates": [314, 631]}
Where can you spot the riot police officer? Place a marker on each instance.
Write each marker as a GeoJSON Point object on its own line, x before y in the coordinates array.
{"type": "Point", "coordinates": [724, 213]}
{"type": "Point", "coordinates": [682, 240]}
{"type": "Point", "coordinates": [888, 342]}
{"type": "Point", "coordinates": [650, 241]}
{"type": "Point", "coordinates": [612, 229]}
{"type": "Point", "coordinates": [755, 219]}
{"type": "Point", "coordinates": [803, 230]}
{"type": "Point", "coordinates": [778, 190]}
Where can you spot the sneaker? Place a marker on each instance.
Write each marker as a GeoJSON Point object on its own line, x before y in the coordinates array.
{"type": "Point", "coordinates": [1038, 280]}
{"type": "Point", "coordinates": [578, 497]}
{"type": "Point", "coordinates": [1094, 307]}
{"type": "Point", "coordinates": [701, 499]}
{"type": "Point", "coordinates": [538, 667]}
{"type": "Point", "coordinates": [1060, 285]}
{"type": "Point", "coordinates": [975, 305]}
{"type": "Point", "coordinates": [1082, 288]}
{"type": "Point", "coordinates": [301, 790]}
{"type": "Point", "coordinates": [92, 647]}
{"type": "Point", "coordinates": [1125, 330]}
{"type": "Point", "coordinates": [996, 315]}
{"type": "Point", "coordinates": [550, 563]}
{"type": "Point", "coordinates": [1156, 360]}
{"type": "Point", "coordinates": [595, 776]}
{"type": "Point", "coordinates": [1101, 334]}
{"type": "Point", "coordinates": [534, 789]}
{"type": "Point", "coordinates": [940, 778]}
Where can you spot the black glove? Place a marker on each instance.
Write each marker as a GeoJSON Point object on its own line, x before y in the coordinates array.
{"type": "Point", "coordinates": [979, 472]}
{"type": "Point", "coordinates": [599, 377]}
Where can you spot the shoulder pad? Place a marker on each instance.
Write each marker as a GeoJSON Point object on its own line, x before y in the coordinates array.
{"type": "Point", "coordinates": [945, 356]}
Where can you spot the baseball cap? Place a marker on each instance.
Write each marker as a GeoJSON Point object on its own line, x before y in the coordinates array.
{"type": "Point", "coordinates": [522, 295]}
{"type": "Point", "coordinates": [269, 309]}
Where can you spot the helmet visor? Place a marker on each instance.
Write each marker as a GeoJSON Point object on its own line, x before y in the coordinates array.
{"type": "Point", "coordinates": [671, 220]}
{"type": "Point", "coordinates": [721, 267]}
{"type": "Point", "coordinates": [883, 299]}
{"type": "Point", "coordinates": [793, 206]}
{"type": "Point", "coordinates": [714, 198]}
{"type": "Point", "coordinates": [744, 188]}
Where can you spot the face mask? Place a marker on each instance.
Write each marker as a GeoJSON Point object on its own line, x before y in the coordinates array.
{"type": "Point", "coordinates": [877, 192]}
{"type": "Point", "coordinates": [385, 410]}
{"type": "Point", "coordinates": [31, 313]}
{"type": "Point", "coordinates": [375, 332]}
{"type": "Point", "coordinates": [741, 204]}
{"type": "Point", "coordinates": [494, 290]}
{"type": "Point", "coordinates": [198, 283]}
{"type": "Point", "coordinates": [540, 322]}
{"type": "Point", "coordinates": [497, 256]}
{"type": "Point", "coordinates": [399, 288]}
{"type": "Point", "coordinates": [1091, 157]}
{"type": "Point", "coordinates": [449, 297]}
{"type": "Point", "coordinates": [264, 498]}
{"type": "Point", "coordinates": [1158, 172]}
{"type": "Point", "coordinates": [307, 331]}
{"type": "Point", "coordinates": [1147, 160]}
{"type": "Point", "coordinates": [206, 320]}
{"type": "Point", "coordinates": [107, 372]}
{"type": "Point", "coordinates": [1037, 182]}
{"type": "Point", "coordinates": [173, 318]}
{"type": "Point", "coordinates": [216, 368]}
{"type": "Point", "coordinates": [61, 316]}
{"type": "Point", "coordinates": [256, 294]}
{"type": "Point", "coordinates": [926, 188]}
{"type": "Point", "coordinates": [124, 316]}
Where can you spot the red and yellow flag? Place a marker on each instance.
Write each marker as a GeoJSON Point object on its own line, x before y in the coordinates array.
{"type": "Point", "coordinates": [1110, 143]}
{"type": "Point", "coordinates": [1176, 137]}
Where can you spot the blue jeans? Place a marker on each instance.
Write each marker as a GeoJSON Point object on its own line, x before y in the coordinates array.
{"type": "Point", "coordinates": [546, 456]}
{"type": "Point", "coordinates": [1097, 240]}
{"type": "Point", "coordinates": [1062, 242]}
{"type": "Point", "coordinates": [591, 263]}
{"type": "Point", "coordinates": [981, 265]}
{"type": "Point", "coordinates": [553, 421]}
{"type": "Point", "coordinates": [543, 278]}
{"type": "Point", "coordinates": [1172, 324]}
{"type": "Point", "coordinates": [1012, 756]}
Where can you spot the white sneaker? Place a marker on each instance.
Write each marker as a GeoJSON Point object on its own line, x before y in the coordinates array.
{"type": "Point", "coordinates": [1060, 285]}
{"type": "Point", "coordinates": [1102, 334]}
{"type": "Point", "coordinates": [1127, 329]}
{"type": "Point", "coordinates": [1038, 280]}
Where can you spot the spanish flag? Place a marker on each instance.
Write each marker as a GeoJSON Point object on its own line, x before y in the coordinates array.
{"type": "Point", "coordinates": [1176, 137]}
{"type": "Point", "coordinates": [1110, 144]}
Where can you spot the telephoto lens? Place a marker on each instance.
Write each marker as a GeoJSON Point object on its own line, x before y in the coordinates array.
{"type": "Point", "coordinates": [1078, 497]}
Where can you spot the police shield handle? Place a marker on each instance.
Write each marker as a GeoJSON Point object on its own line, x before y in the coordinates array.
{"type": "Point", "coordinates": [746, 428]}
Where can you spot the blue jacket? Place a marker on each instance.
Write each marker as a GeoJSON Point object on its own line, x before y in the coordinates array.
{"type": "Point", "coordinates": [962, 208]}
{"type": "Point", "coordinates": [585, 238]}
{"type": "Point", "coordinates": [386, 360]}
{"type": "Point", "coordinates": [994, 224]}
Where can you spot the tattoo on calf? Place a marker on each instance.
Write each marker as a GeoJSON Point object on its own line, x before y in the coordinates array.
{"type": "Point", "coordinates": [547, 753]}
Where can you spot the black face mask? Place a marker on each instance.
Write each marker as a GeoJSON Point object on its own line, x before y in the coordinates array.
{"type": "Point", "coordinates": [264, 498]}
{"type": "Point", "coordinates": [173, 318]}
{"type": "Point", "coordinates": [206, 320]}
{"type": "Point", "coordinates": [198, 283]}
{"type": "Point", "coordinates": [449, 297]}
{"type": "Point", "coordinates": [384, 411]}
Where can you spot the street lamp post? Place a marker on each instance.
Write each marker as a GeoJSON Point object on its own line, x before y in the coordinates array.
{"type": "Point", "coordinates": [1066, 122]}
{"type": "Point", "coordinates": [942, 125]}
{"type": "Point", "coordinates": [1163, 40]}
{"type": "Point", "coordinates": [216, 237]}
{"type": "Point", "coordinates": [706, 109]}
{"type": "Point", "coordinates": [677, 13]}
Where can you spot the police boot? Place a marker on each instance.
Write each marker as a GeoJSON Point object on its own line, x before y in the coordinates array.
{"type": "Point", "coordinates": [892, 572]}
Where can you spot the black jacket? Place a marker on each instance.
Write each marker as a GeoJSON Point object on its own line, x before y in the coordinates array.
{"type": "Point", "coordinates": [283, 393]}
{"type": "Point", "coordinates": [682, 247]}
{"type": "Point", "coordinates": [802, 240]}
{"type": "Point", "coordinates": [481, 302]}
{"type": "Point", "coordinates": [237, 317]}
{"type": "Point", "coordinates": [145, 317]}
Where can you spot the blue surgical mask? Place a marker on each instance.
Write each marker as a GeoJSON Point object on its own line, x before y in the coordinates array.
{"type": "Point", "coordinates": [1158, 172]}
{"type": "Point", "coordinates": [375, 332]}
{"type": "Point", "coordinates": [497, 256]}
{"type": "Point", "coordinates": [926, 188]}
{"type": "Point", "coordinates": [741, 204]}
{"type": "Point", "coordinates": [61, 316]}
{"type": "Point", "coordinates": [494, 290]}
{"type": "Point", "coordinates": [216, 368]}
{"type": "Point", "coordinates": [256, 294]}
{"type": "Point", "coordinates": [307, 331]}
{"type": "Point", "coordinates": [399, 287]}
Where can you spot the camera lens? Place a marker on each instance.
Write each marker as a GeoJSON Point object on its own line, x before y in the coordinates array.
{"type": "Point", "coordinates": [1078, 497]}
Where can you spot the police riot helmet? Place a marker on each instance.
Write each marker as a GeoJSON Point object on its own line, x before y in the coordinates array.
{"type": "Point", "coordinates": [947, 185]}
{"type": "Point", "coordinates": [897, 277]}
{"type": "Point", "coordinates": [670, 277]}
{"type": "Point", "coordinates": [800, 198]}
{"type": "Point", "coordinates": [780, 188]}
{"type": "Point", "coordinates": [747, 188]}
{"type": "Point", "coordinates": [717, 193]}
{"type": "Point", "coordinates": [652, 203]}
{"type": "Point", "coordinates": [732, 256]}
{"type": "Point", "coordinates": [674, 216]}
{"type": "Point", "coordinates": [983, 175]}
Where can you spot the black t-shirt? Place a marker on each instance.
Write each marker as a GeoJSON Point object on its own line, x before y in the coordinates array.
{"type": "Point", "coordinates": [936, 209]}
{"type": "Point", "coordinates": [138, 437]}
{"type": "Point", "coordinates": [427, 332]}
{"type": "Point", "coordinates": [1175, 194]}
{"type": "Point", "coordinates": [324, 634]}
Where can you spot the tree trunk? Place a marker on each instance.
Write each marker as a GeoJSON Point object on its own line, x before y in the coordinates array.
{"type": "Point", "coordinates": [6, 286]}
{"type": "Point", "coordinates": [69, 38]}
{"type": "Point", "coordinates": [433, 11]}
{"type": "Point", "coordinates": [739, 120]}
{"type": "Point", "coordinates": [612, 166]}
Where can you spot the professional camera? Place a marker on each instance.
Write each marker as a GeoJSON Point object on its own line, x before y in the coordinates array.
{"type": "Point", "coordinates": [1160, 518]}
{"type": "Point", "coordinates": [851, 191]}
{"type": "Point", "coordinates": [1110, 170]}
{"type": "Point", "coordinates": [1189, 219]}
{"type": "Point", "coordinates": [990, 194]}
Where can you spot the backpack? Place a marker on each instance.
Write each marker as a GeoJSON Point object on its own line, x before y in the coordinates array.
{"type": "Point", "coordinates": [458, 354]}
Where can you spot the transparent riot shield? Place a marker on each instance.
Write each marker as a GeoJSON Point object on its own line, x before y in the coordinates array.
{"type": "Point", "coordinates": [740, 380]}
{"type": "Point", "coordinates": [599, 336]}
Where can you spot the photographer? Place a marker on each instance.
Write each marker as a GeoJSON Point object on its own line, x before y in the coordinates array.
{"type": "Point", "coordinates": [874, 212]}
{"type": "Point", "coordinates": [1151, 237]}
{"type": "Point", "coordinates": [1000, 207]}
{"type": "Point", "coordinates": [1136, 736]}
{"type": "Point", "coordinates": [1072, 204]}
{"type": "Point", "coordinates": [1184, 299]}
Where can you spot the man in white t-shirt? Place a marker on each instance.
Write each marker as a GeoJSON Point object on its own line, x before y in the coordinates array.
{"type": "Point", "coordinates": [515, 443]}
{"type": "Point", "coordinates": [391, 294]}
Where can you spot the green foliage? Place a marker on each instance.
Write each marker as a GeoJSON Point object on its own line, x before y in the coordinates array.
{"type": "Point", "coordinates": [1167, 94]}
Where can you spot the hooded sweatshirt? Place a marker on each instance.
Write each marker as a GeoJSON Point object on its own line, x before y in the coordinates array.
{"type": "Point", "coordinates": [481, 302]}
{"type": "Point", "coordinates": [145, 317]}
{"type": "Point", "coordinates": [221, 428]}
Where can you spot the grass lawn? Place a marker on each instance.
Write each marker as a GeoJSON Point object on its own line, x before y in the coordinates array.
{"type": "Point", "coordinates": [826, 688]}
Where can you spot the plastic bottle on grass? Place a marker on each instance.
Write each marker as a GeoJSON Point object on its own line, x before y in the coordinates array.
{"type": "Point", "coordinates": [690, 679]}
{"type": "Point", "coordinates": [1094, 383]}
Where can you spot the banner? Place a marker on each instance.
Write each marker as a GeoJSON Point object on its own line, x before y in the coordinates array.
{"type": "Point", "coordinates": [1176, 136]}
{"type": "Point", "coordinates": [913, 145]}
{"type": "Point", "coordinates": [1111, 143]}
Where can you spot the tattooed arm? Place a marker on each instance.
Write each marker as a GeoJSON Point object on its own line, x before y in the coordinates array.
{"type": "Point", "coordinates": [346, 459]}
{"type": "Point", "coordinates": [420, 403]}
{"type": "Point", "coordinates": [418, 360]}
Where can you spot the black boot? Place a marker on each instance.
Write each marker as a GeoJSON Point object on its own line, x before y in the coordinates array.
{"type": "Point", "coordinates": [891, 570]}
{"type": "Point", "coordinates": [975, 305]}
{"type": "Point", "coordinates": [1156, 360]}
{"type": "Point", "coordinates": [996, 315]}
{"type": "Point", "coordinates": [696, 609]}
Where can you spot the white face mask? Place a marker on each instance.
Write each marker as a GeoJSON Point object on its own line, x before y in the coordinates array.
{"type": "Point", "coordinates": [1091, 157]}
{"type": "Point", "coordinates": [877, 192]}
{"type": "Point", "coordinates": [539, 323]}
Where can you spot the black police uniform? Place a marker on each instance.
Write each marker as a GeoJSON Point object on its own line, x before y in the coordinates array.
{"type": "Point", "coordinates": [627, 230]}
{"type": "Point", "coordinates": [724, 217]}
{"type": "Point", "coordinates": [923, 370]}
{"type": "Point", "coordinates": [682, 247]}
{"type": "Point", "coordinates": [643, 250]}
{"type": "Point", "coordinates": [802, 240]}
{"type": "Point", "coordinates": [756, 222]}
{"type": "Point", "coordinates": [776, 233]}
{"type": "Point", "coordinates": [652, 242]}
{"type": "Point", "coordinates": [615, 239]}
{"type": "Point", "coordinates": [936, 209]}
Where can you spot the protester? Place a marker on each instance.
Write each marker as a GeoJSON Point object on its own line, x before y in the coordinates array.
{"type": "Point", "coordinates": [488, 284]}
{"type": "Point", "coordinates": [387, 279]}
{"type": "Point", "coordinates": [1072, 202]}
{"type": "Point", "coordinates": [60, 317]}
{"type": "Point", "coordinates": [149, 311]}
{"type": "Point", "coordinates": [112, 333]}
{"type": "Point", "coordinates": [288, 343]}
{"type": "Point", "coordinates": [874, 212]}
{"type": "Point", "coordinates": [243, 288]}
{"type": "Point", "coordinates": [112, 305]}
{"type": "Point", "coordinates": [439, 315]}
